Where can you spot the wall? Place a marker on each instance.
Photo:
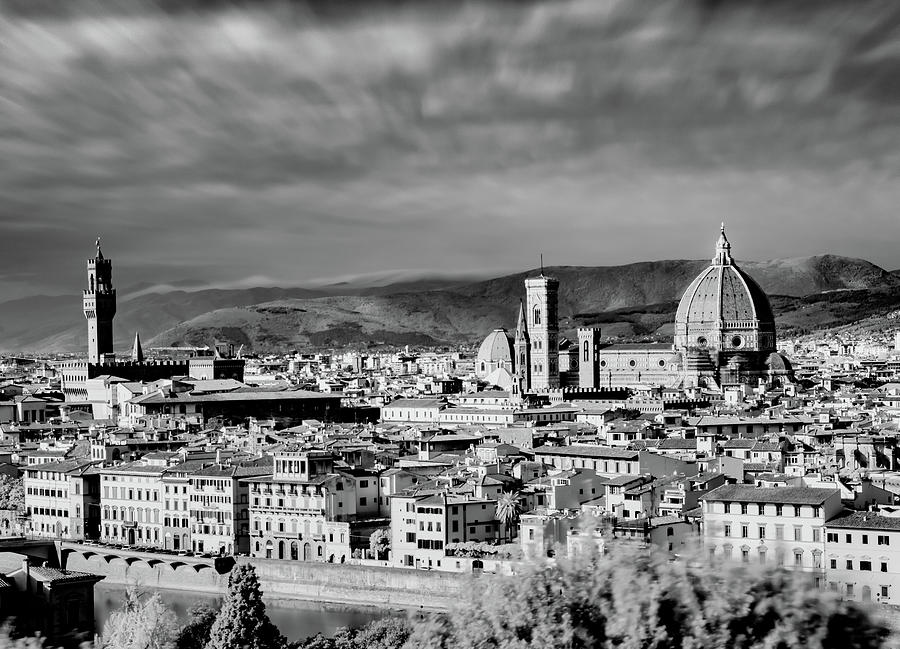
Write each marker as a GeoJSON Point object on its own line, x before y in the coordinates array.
{"type": "Point", "coordinates": [319, 582]}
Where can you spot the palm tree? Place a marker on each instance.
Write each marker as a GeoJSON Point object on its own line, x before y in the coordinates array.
{"type": "Point", "coordinates": [509, 508]}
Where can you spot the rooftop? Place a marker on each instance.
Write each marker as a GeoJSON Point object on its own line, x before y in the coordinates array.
{"type": "Point", "coordinates": [779, 495]}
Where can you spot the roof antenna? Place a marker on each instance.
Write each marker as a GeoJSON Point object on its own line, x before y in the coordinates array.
{"type": "Point", "coordinates": [542, 264]}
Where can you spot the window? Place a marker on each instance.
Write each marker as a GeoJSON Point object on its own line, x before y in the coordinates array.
{"type": "Point", "coordinates": [744, 508]}
{"type": "Point", "coordinates": [727, 529]}
{"type": "Point", "coordinates": [865, 539]}
{"type": "Point", "coordinates": [833, 564]}
{"type": "Point", "coordinates": [817, 535]}
{"type": "Point", "coordinates": [797, 511]}
{"type": "Point", "coordinates": [849, 564]}
{"type": "Point", "coordinates": [745, 532]}
{"type": "Point", "coordinates": [849, 590]}
{"type": "Point", "coordinates": [884, 540]}
{"type": "Point", "coordinates": [848, 538]}
{"type": "Point", "coordinates": [831, 537]}
{"type": "Point", "coordinates": [762, 531]}
{"type": "Point", "coordinates": [798, 533]}
{"type": "Point", "coordinates": [884, 591]}
{"type": "Point", "coordinates": [778, 509]}
{"type": "Point", "coordinates": [884, 566]}
{"type": "Point", "coordinates": [865, 565]}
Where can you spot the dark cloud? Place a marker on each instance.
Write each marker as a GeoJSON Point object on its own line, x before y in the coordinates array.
{"type": "Point", "coordinates": [269, 142]}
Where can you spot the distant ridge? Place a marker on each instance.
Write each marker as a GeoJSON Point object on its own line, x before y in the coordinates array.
{"type": "Point", "coordinates": [633, 300]}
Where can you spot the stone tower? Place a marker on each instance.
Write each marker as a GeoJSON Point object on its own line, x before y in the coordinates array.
{"type": "Point", "coordinates": [522, 352]}
{"type": "Point", "coordinates": [588, 361]}
{"type": "Point", "coordinates": [542, 294]}
{"type": "Point", "coordinates": [99, 301]}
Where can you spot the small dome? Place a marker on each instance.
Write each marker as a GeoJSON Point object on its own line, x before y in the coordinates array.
{"type": "Point", "coordinates": [496, 348]}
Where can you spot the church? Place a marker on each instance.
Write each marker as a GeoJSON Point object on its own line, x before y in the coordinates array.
{"type": "Point", "coordinates": [724, 335]}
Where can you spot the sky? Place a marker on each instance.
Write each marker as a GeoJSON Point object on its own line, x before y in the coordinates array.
{"type": "Point", "coordinates": [275, 145]}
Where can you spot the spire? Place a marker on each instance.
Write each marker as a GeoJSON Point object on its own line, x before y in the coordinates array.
{"type": "Point", "coordinates": [99, 252]}
{"type": "Point", "coordinates": [137, 352]}
{"type": "Point", "coordinates": [522, 325]}
{"type": "Point", "coordinates": [542, 264]}
{"type": "Point", "coordinates": [723, 249]}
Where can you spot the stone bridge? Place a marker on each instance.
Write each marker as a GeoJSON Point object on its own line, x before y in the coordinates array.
{"type": "Point", "coordinates": [147, 568]}
{"type": "Point", "coordinates": [41, 550]}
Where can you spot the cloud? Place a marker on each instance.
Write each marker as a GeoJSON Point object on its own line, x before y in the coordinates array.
{"type": "Point", "coordinates": [279, 142]}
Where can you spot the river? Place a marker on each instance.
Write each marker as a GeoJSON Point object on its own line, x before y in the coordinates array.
{"type": "Point", "coordinates": [296, 620]}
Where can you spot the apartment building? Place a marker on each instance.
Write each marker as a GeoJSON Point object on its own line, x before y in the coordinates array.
{"type": "Point", "coordinates": [862, 557]}
{"type": "Point", "coordinates": [423, 524]}
{"type": "Point", "coordinates": [680, 495]}
{"type": "Point", "coordinates": [176, 482]}
{"type": "Point", "coordinates": [62, 499]}
{"type": "Point", "coordinates": [301, 510]}
{"type": "Point", "coordinates": [132, 504]}
{"type": "Point", "coordinates": [219, 506]}
{"type": "Point", "coordinates": [783, 526]}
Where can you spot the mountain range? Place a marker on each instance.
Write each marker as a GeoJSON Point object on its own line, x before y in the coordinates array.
{"type": "Point", "coordinates": [634, 301]}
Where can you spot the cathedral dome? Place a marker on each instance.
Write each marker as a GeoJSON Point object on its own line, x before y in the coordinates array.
{"type": "Point", "coordinates": [724, 308]}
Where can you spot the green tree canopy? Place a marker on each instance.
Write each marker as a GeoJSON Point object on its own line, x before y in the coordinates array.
{"type": "Point", "coordinates": [509, 508]}
{"type": "Point", "coordinates": [195, 633]}
{"type": "Point", "coordinates": [242, 621]}
{"type": "Point", "coordinates": [141, 623]}
{"type": "Point", "coordinates": [380, 542]}
{"type": "Point", "coordinates": [12, 493]}
{"type": "Point", "coordinates": [631, 600]}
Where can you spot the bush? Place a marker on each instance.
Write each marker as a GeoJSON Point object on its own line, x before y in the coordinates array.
{"type": "Point", "coordinates": [637, 601]}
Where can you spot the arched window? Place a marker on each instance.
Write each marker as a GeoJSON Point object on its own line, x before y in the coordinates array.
{"type": "Point", "coordinates": [587, 351]}
{"type": "Point", "coordinates": [537, 315]}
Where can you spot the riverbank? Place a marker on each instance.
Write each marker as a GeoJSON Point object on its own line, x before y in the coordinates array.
{"type": "Point", "coordinates": [295, 619]}
{"type": "Point", "coordinates": [285, 581]}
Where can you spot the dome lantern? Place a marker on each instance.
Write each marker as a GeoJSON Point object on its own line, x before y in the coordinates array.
{"type": "Point", "coordinates": [723, 249]}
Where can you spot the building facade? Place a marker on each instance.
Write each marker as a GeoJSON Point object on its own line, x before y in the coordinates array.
{"type": "Point", "coordinates": [782, 526]}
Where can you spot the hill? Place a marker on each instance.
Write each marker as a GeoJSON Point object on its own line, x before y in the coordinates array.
{"type": "Point", "coordinates": [635, 300]}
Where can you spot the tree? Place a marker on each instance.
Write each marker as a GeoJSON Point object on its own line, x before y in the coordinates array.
{"type": "Point", "coordinates": [635, 600]}
{"type": "Point", "coordinates": [242, 620]}
{"type": "Point", "coordinates": [195, 634]}
{"type": "Point", "coordinates": [141, 623]}
{"type": "Point", "coordinates": [509, 508]}
{"type": "Point", "coordinates": [12, 492]}
{"type": "Point", "coordinates": [386, 633]}
{"type": "Point", "coordinates": [380, 543]}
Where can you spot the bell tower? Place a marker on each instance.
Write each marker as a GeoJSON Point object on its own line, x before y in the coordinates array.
{"type": "Point", "coordinates": [99, 302]}
{"type": "Point", "coordinates": [543, 329]}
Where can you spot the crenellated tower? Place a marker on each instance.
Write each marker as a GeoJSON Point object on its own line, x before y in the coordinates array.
{"type": "Point", "coordinates": [99, 303]}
